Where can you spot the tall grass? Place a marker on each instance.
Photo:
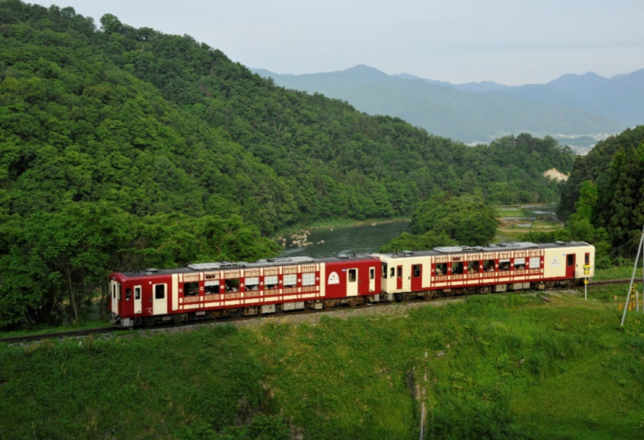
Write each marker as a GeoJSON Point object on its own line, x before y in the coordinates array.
{"type": "Point", "coordinates": [497, 366]}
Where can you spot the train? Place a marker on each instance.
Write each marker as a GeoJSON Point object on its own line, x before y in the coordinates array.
{"type": "Point", "coordinates": [267, 286]}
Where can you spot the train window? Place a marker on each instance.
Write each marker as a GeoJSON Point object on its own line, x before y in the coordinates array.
{"type": "Point", "coordinates": [352, 275]}
{"type": "Point", "coordinates": [159, 291]}
{"type": "Point", "coordinates": [308, 279]}
{"type": "Point", "coordinates": [441, 269]}
{"type": "Point", "coordinates": [290, 280]}
{"type": "Point", "coordinates": [114, 291]}
{"type": "Point", "coordinates": [570, 260]}
{"type": "Point", "coordinates": [416, 269]}
{"type": "Point", "coordinates": [119, 292]}
{"type": "Point", "coordinates": [270, 282]}
{"type": "Point", "coordinates": [535, 262]}
{"type": "Point", "coordinates": [399, 271]}
{"type": "Point", "coordinates": [252, 283]}
{"type": "Point", "coordinates": [128, 294]}
{"type": "Point", "coordinates": [393, 272]}
{"type": "Point", "coordinates": [504, 265]}
{"type": "Point", "coordinates": [232, 285]}
{"type": "Point", "coordinates": [457, 268]}
{"type": "Point", "coordinates": [137, 293]}
{"type": "Point", "coordinates": [384, 270]}
{"type": "Point", "coordinates": [372, 273]}
{"type": "Point", "coordinates": [488, 265]}
{"type": "Point", "coordinates": [211, 287]}
{"type": "Point", "coordinates": [191, 289]}
{"type": "Point", "coordinates": [473, 267]}
{"type": "Point", "coordinates": [519, 263]}
{"type": "Point", "coordinates": [587, 259]}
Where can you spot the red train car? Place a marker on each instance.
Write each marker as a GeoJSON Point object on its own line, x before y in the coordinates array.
{"type": "Point", "coordinates": [214, 289]}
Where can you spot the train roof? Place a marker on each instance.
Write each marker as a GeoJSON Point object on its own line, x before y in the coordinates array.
{"type": "Point", "coordinates": [268, 262]}
{"type": "Point", "coordinates": [500, 247]}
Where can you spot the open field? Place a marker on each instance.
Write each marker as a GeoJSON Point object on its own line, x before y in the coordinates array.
{"type": "Point", "coordinates": [516, 220]}
{"type": "Point", "coordinates": [499, 366]}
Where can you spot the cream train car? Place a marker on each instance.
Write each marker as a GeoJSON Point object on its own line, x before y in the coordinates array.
{"type": "Point", "coordinates": [494, 268]}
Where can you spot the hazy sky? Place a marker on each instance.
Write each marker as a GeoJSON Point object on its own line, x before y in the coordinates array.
{"type": "Point", "coordinates": [507, 41]}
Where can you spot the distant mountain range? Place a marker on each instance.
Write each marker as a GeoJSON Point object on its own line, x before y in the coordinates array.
{"type": "Point", "coordinates": [572, 105]}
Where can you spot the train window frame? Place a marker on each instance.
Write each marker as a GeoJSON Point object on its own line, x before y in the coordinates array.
{"type": "Point", "coordinates": [457, 268]}
{"type": "Point", "coordinates": [534, 262]}
{"type": "Point", "coordinates": [416, 270]}
{"type": "Point", "coordinates": [384, 270]}
{"type": "Point", "coordinates": [393, 272]}
{"type": "Point", "coordinates": [308, 279]}
{"type": "Point", "coordinates": [209, 287]}
{"type": "Point", "coordinates": [473, 266]}
{"type": "Point", "coordinates": [587, 259]}
{"type": "Point", "coordinates": [504, 265]}
{"type": "Point", "coordinates": [137, 293]}
{"type": "Point", "coordinates": [128, 294]}
{"type": "Point", "coordinates": [520, 263]}
{"type": "Point", "coordinates": [290, 280]}
{"type": "Point", "coordinates": [570, 260]}
{"type": "Point", "coordinates": [372, 273]}
{"type": "Point", "coordinates": [489, 265]}
{"type": "Point", "coordinates": [352, 275]}
{"type": "Point", "coordinates": [231, 285]}
{"type": "Point", "coordinates": [443, 269]}
{"type": "Point", "coordinates": [271, 282]}
{"type": "Point", "coordinates": [191, 288]}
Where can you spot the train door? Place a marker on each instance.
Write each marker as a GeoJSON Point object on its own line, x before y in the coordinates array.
{"type": "Point", "coordinates": [416, 277]}
{"type": "Point", "coordinates": [115, 296]}
{"type": "Point", "coordinates": [570, 265]}
{"type": "Point", "coordinates": [138, 301]}
{"type": "Point", "coordinates": [352, 282]}
{"type": "Point", "coordinates": [159, 300]}
{"type": "Point", "coordinates": [399, 277]}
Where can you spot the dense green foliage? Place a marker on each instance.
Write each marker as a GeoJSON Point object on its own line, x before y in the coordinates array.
{"type": "Point", "coordinates": [595, 164]}
{"type": "Point", "coordinates": [607, 190]}
{"type": "Point", "coordinates": [164, 134]}
{"type": "Point", "coordinates": [443, 220]}
{"type": "Point", "coordinates": [498, 367]}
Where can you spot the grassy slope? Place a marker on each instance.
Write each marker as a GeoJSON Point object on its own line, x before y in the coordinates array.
{"type": "Point", "coordinates": [500, 366]}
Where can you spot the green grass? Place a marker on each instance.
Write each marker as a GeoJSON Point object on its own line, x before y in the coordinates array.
{"type": "Point", "coordinates": [499, 366]}
{"type": "Point", "coordinates": [94, 323]}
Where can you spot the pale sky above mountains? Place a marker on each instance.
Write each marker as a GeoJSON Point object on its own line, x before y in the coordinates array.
{"type": "Point", "coordinates": [508, 41]}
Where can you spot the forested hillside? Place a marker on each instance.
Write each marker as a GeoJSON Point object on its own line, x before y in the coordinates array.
{"type": "Point", "coordinates": [607, 188]}
{"type": "Point", "coordinates": [124, 148]}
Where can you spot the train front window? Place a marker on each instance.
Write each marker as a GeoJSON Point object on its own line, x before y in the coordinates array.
{"type": "Point", "coordinates": [384, 270]}
{"type": "Point", "coordinates": [128, 294]}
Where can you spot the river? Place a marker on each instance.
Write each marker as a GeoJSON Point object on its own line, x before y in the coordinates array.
{"type": "Point", "coordinates": [359, 239]}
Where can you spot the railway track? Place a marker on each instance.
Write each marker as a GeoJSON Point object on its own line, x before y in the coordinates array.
{"type": "Point", "coordinates": [229, 319]}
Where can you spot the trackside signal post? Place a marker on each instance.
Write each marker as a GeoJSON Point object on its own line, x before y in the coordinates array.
{"type": "Point", "coordinates": [630, 288]}
{"type": "Point", "coordinates": [586, 273]}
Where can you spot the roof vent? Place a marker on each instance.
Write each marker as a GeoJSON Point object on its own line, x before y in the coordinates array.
{"type": "Point", "coordinates": [151, 270]}
{"type": "Point", "coordinates": [407, 253]}
{"type": "Point", "coordinates": [560, 243]}
{"type": "Point", "coordinates": [343, 256]}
